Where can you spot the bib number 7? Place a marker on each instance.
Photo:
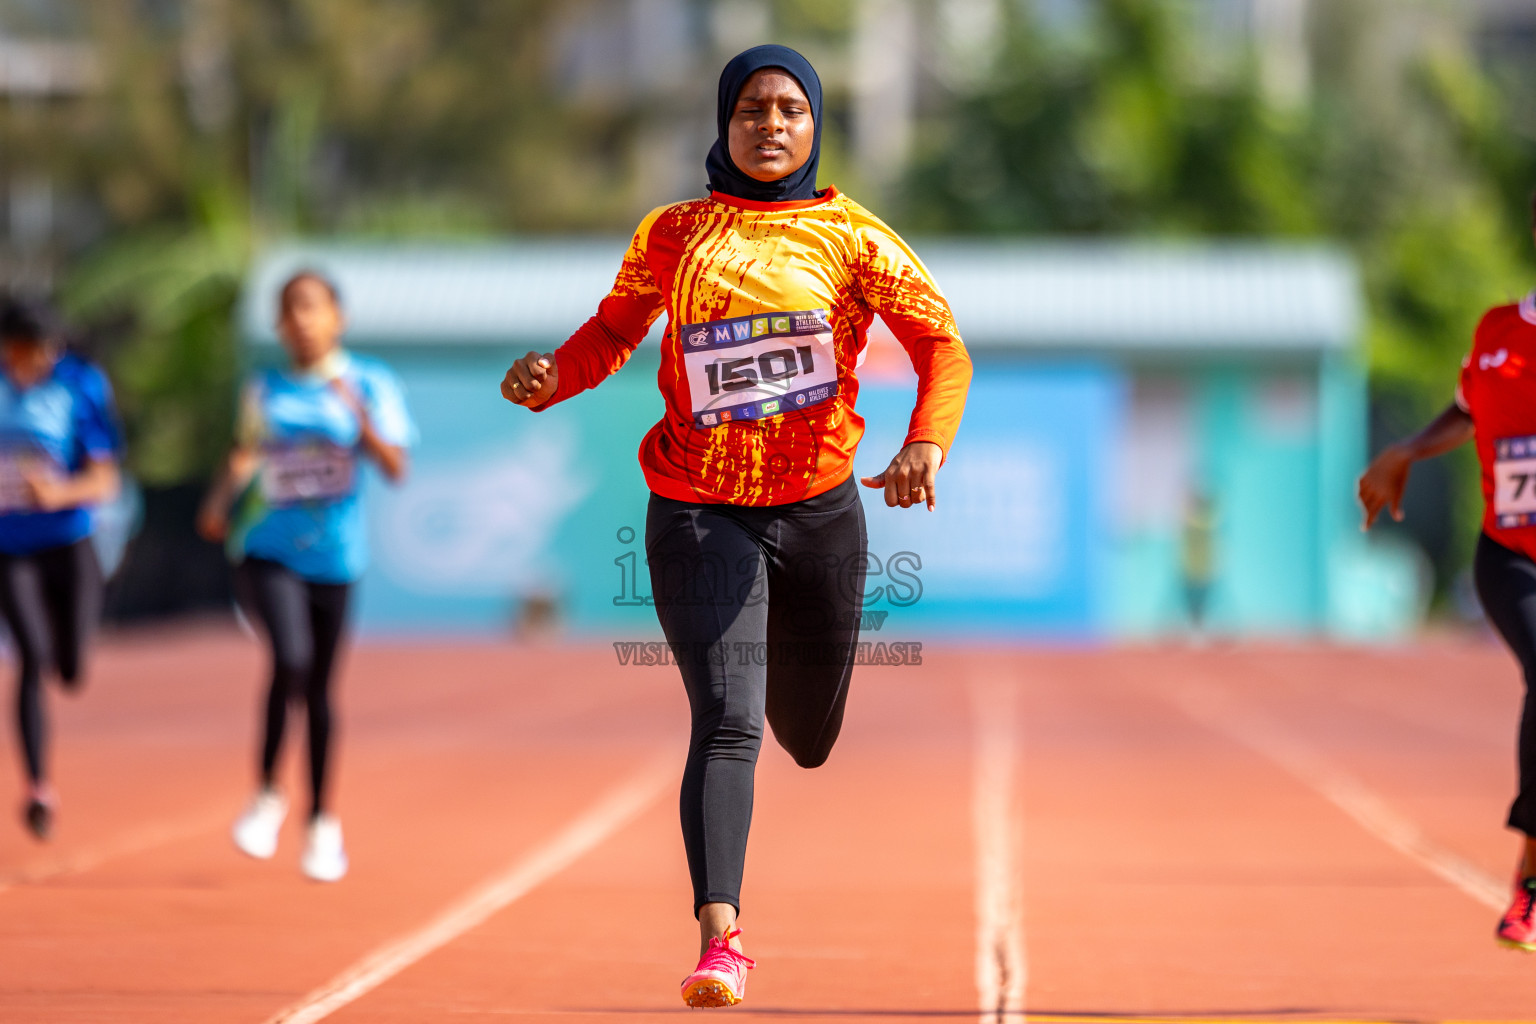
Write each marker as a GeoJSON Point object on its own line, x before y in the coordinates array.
{"type": "Point", "coordinates": [1514, 481]}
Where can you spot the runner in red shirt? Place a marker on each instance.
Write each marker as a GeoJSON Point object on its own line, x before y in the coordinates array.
{"type": "Point", "coordinates": [1495, 405]}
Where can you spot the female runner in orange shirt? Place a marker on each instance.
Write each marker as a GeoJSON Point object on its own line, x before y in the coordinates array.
{"type": "Point", "coordinates": [755, 532]}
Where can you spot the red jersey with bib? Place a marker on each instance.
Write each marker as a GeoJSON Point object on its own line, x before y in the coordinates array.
{"type": "Point", "coordinates": [1498, 390]}
{"type": "Point", "coordinates": [767, 306]}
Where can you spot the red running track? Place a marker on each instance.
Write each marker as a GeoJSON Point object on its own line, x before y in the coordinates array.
{"type": "Point", "coordinates": [1129, 835]}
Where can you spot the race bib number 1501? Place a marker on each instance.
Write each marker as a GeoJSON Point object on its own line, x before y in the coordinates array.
{"type": "Point", "coordinates": [1514, 481]}
{"type": "Point", "coordinates": [758, 367]}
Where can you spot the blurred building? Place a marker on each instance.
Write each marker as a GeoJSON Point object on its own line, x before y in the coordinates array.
{"type": "Point", "coordinates": [1505, 35]}
{"type": "Point", "coordinates": [885, 63]}
{"type": "Point", "coordinates": [37, 72]}
{"type": "Point", "coordinates": [1118, 387]}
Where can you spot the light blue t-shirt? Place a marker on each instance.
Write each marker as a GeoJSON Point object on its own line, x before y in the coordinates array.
{"type": "Point", "coordinates": [305, 508]}
{"type": "Point", "coordinates": [56, 424]}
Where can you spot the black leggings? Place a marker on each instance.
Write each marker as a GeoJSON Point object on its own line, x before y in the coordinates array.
{"type": "Point", "coordinates": [761, 608]}
{"type": "Point", "coordinates": [51, 600]}
{"type": "Point", "coordinates": [1506, 586]}
{"type": "Point", "coordinates": [304, 623]}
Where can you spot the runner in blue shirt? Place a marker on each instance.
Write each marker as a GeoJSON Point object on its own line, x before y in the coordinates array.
{"type": "Point", "coordinates": [59, 445]}
{"type": "Point", "coordinates": [299, 537]}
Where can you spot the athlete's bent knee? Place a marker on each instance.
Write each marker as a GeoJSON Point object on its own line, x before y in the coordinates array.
{"type": "Point", "coordinates": [811, 758]}
{"type": "Point", "coordinates": [294, 665]}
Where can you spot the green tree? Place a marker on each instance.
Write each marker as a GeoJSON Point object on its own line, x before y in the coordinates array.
{"type": "Point", "coordinates": [1403, 153]}
{"type": "Point", "coordinates": [220, 125]}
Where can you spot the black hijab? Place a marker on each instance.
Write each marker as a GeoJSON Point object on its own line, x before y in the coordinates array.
{"type": "Point", "coordinates": [724, 176]}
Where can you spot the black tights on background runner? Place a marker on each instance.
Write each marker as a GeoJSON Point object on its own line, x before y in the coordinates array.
{"type": "Point", "coordinates": [51, 601]}
{"type": "Point", "coordinates": [1506, 586]}
{"type": "Point", "coordinates": [761, 606]}
{"type": "Point", "coordinates": [304, 623]}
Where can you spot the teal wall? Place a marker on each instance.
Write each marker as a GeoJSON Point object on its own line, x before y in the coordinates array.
{"type": "Point", "coordinates": [1262, 468]}
{"type": "Point", "coordinates": [1019, 545]}
{"type": "Point", "coordinates": [1276, 449]}
{"type": "Point", "coordinates": [504, 506]}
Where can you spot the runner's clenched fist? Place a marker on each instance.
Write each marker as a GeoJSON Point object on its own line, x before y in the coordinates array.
{"type": "Point", "coordinates": [531, 380]}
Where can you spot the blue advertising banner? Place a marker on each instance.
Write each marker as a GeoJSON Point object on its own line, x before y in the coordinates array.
{"type": "Point", "coordinates": [507, 510]}
{"type": "Point", "coordinates": [1022, 538]}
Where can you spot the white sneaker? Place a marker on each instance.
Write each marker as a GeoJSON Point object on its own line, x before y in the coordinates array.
{"type": "Point", "coordinates": [256, 831]}
{"type": "Point", "coordinates": [325, 859]}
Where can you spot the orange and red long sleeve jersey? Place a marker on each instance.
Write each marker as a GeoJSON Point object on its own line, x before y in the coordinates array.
{"type": "Point", "coordinates": [767, 307]}
{"type": "Point", "coordinates": [1498, 390]}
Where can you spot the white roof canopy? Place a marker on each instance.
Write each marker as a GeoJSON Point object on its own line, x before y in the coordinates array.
{"type": "Point", "coordinates": [1024, 295]}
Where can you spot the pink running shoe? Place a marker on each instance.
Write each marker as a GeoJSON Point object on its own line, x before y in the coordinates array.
{"type": "Point", "coordinates": [1518, 929]}
{"type": "Point", "coordinates": [721, 977]}
{"type": "Point", "coordinates": [39, 810]}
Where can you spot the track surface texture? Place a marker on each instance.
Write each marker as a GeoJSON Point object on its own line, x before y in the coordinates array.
{"type": "Point", "coordinates": [1139, 834]}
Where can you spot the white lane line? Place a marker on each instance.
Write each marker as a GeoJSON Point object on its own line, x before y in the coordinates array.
{"type": "Point", "coordinates": [137, 841]}
{"type": "Point", "coordinates": [1001, 972]}
{"type": "Point", "coordinates": [615, 810]}
{"type": "Point", "coordinates": [1217, 710]}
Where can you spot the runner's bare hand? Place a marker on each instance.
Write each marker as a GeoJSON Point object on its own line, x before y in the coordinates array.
{"type": "Point", "coordinates": [909, 479]}
{"type": "Point", "coordinates": [532, 380]}
{"type": "Point", "coordinates": [349, 397]}
{"type": "Point", "coordinates": [1383, 482]}
{"type": "Point", "coordinates": [213, 524]}
{"type": "Point", "coordinates": [49, 492]}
